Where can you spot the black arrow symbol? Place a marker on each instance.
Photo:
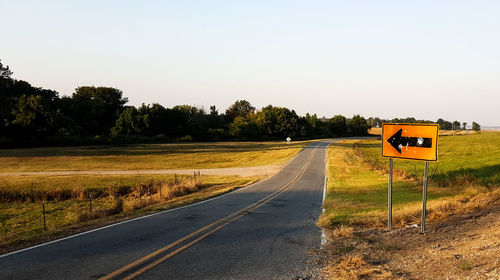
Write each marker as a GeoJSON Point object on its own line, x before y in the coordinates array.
{"type": "Point", "coordinates": [399, 142]}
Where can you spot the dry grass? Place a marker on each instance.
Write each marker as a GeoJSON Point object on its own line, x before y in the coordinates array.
{"type": "Point", "coordinates": [464, 246]}
{"type": "Point", "coordinates": [22, 224]}
{"type": "Point", "coordinates": [355, 267]}
{"type": "Point", "coordinates": [437, 210]}
{"type": "Point", "coordinates": [59, 188]}
{"type": "Point", "coordinates": [116, 208]}
{"type": "Point", "coordinates": [343, 231]}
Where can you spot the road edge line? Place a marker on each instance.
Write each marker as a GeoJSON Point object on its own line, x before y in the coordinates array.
{"type": "Point", "coordinates": [324, 236]}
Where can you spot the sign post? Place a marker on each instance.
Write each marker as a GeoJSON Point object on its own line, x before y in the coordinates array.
{"type": "Point", "coordinates": [389, 196]}
{"type": "Point", "coordinates": [409, 141]}
{"type": "Point", "coordinates": [424, 198]}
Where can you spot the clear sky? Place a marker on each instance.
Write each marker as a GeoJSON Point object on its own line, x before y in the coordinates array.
{"type": "Point", "coordinates": [426, 59]}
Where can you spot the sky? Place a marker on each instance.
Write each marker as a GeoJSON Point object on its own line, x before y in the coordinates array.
{"type": "Point", "coordinates": [425, 59]}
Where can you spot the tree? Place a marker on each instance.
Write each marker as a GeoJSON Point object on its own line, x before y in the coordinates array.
{"type": "Point", "coordinates": [240, 108]}
{"type": "Point", "coordinates": [338, 125]}
{"type": "Point", "coordinates": [214, 121]}
{"type": "Point", "coordinates": [444, 125]}
{"type": "Point", "coordinates": [357, 126]}
{"type": "Point", "coordinates": [96, 109]}
{"type": "Point", "coordinates": [476, 126]}
{"type": "Point", "coordinates": [464, 125]}
{"type": "Point", "coordinates": [278, 122]}
{"type": "Point", "coordinates": [29, 113]}
{"type": "Point", "coordinates": [5, 72]}
{"type": "Point", "coordinates": [128, 123]}
{"type": "Point", "coordinates": [188, 120]}
{"type": "Point", "coordinates": [311, 126]}
{"type": "Point", "coordinates": [374, 122]}
{"type": "Point", "coordinates": [456, 125]}
{"type": "Point", "coordinates": [244, 127]}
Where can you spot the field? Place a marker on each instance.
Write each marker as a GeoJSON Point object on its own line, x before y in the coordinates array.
{"type": "Point", "coordinates": [357, 186]}
{"type": "Point", "coordinates": [148, 157]}
{"type": "Point", "coordinates": [463, 186]}
{"type": "Point", "coordinates": [473, 157]}
{"type": "Point", "coordinates": [22, 221]}
{"type": "Point", "coordinates": [77, 202]}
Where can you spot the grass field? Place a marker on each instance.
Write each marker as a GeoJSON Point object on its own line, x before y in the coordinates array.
{"type": "Point", "coordinates": [22, 221]}
{"type": "Point", "coordinates": [150, 156]}
{"type": "Point", "coordinates": [473, 157]}
{"type": "Point", "coordinates": [357, 187]}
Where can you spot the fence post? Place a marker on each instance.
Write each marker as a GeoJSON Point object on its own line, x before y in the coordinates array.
{"type": "Point", "coordinates": [90, 203]}
{"type": "Point", "coordinates": [43, 210]}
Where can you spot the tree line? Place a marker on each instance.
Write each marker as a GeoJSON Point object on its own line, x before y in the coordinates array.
{"type": "Point", "coordinates": [443, 124]}
{"type": "Point", "coordinates": [31, 116]}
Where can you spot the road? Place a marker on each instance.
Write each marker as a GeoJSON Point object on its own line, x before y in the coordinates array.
{"type": "Point", "coordinates": [263, 231]}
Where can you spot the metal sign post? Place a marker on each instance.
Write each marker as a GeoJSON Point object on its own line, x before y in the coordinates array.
{"type": "Point", "coordinates": [424, 197]}
{"type": "Point", "coordinates": [409, 141]}
{"type": "Point", "coordinates": [389, 195]}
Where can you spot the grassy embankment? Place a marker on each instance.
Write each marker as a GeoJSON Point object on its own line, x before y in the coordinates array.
{"type": "Point", "coordinates": [115, 197]}
{"type": "Point", "coordinates": [463, 184]}
{"type": "Point", "coordinates": [357, 188]}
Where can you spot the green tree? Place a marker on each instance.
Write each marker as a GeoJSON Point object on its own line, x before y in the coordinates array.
{"type": "Point", "coordinates": [476, 126]}
{"type": "Point", "coordinates": [338, 125]}
{"type": "Point", "coordinates": [240, 108]}
{"type": "Point", "coordinates": [444, 125]}
{"type": "Point", "coordinates": [357, 126]}
{"type": "Point", "coordinates": [464, 125]}
{"type": "Point", "coordinates": [278, 122]}
{"type": "Point", "coordinates": [128, 123]}
{"type": "Point", "coordinates": [5, 72]}
{"type": "Point", "coordinates": [96, 109]}
{"type": "Point", "coordinates": [244, 127]}
{"type": "Point", "coordinates": [33, 112]}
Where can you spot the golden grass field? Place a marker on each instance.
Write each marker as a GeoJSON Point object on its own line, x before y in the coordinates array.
{"type": "Point", "coordinates": [150, 156]}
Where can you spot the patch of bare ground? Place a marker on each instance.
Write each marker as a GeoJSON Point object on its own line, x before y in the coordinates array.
{"type": "Point", "coordinates": [465, 245]}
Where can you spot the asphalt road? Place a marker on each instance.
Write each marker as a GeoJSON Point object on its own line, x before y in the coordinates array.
{"type": "Point", "coordinates": [263, 231]}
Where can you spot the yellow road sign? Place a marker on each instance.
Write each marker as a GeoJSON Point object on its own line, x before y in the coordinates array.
{"type": "Point", "coordinates": [410, 141]}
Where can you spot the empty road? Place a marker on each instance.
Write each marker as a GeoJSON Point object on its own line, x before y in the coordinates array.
{"type": "Point", "coordinates": [263, 231]}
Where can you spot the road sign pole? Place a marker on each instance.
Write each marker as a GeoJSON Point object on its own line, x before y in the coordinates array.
{"type": "Point", "coordinates": [424, 197]}
{"type": "Point", "coordinates": [389, 196]}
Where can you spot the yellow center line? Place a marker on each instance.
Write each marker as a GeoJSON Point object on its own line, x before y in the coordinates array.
{"type": "Point", "coordinates": [223, 222]}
